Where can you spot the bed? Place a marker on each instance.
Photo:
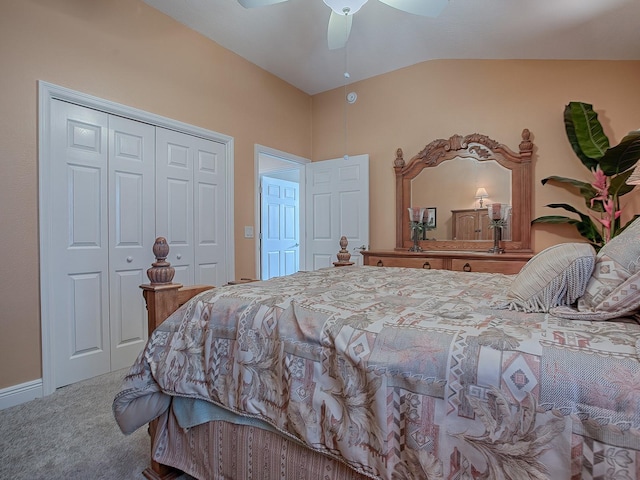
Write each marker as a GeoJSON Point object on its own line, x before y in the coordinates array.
{"type": "Point", "coordinates": [398, 373]}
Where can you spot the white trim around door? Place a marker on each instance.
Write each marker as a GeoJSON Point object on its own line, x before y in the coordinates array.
{"type": "Point", "coordinates": [260, 150]}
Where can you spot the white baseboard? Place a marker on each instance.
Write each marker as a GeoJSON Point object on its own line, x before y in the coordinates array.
{"type": "Point", "coordinates": [17, 394]}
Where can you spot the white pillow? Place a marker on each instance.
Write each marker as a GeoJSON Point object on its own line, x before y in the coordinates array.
{"type": "Point", "coordinates": [616, 262]}
{"type": "Point", "coordinates": [623, 300]}
{"type": "Point", "coordinates": [558, 275]}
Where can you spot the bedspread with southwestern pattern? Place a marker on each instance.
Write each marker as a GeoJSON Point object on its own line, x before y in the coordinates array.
{"type": "Point", "coordinates": [408, 373]}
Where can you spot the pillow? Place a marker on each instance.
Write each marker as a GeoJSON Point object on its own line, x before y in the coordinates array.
{"type": "Point", "coordinates": [615, 263]}
{"type": "Point", "coordinates": [623, 300]}
{"type": "Point", "coordinates": [558, 275]}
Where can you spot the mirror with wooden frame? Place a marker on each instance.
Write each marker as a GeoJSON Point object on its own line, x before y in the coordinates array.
{"type": "Point", "coordinates": [479, 149]}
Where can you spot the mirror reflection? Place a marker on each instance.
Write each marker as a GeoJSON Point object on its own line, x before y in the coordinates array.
{"type": "Point", "coordinates": [458, 192]}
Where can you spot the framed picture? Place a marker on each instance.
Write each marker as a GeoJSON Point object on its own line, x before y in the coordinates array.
{"type": "Point", "coordinates": [430, 217]}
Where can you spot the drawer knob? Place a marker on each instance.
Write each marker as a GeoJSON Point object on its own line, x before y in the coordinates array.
{"type": "Point", "coordinates": [467, 267]}
{"type": "Point", "coordinates": [379, 264]}
{"type": "Point", "coordinates": [426, 265]}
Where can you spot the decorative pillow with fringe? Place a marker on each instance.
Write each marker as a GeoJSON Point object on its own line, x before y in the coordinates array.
{"type": "Point", "coordinates": [556, 276]}
{"type": "Point", "coordinates": [616, 262]}
{"type": "Point", "coordinates": [623, 301]}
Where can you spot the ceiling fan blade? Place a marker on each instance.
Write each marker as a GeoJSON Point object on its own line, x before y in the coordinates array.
{"type": "Point", "coordinates": [338, 31]}
{"type": "Point", "coordinates": [425, 8]}
{"type": "Point", "coordinates": [258, 3]}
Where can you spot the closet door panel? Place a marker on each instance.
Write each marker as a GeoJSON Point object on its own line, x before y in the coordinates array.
{"type": "Point", "coordinates": [174, 200]}
{"type": "Point", "coordinates": [209, 212]}
{"type": "Point", "coordinates": [131, 233]}
{"type": "Point", "coordinates": [78, 269]}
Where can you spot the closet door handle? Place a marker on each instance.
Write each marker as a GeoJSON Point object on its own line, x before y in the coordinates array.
{"type": "Point", "coordinates": [179, 256]}
{"type": "Point", "coordinates": [426, 265]}
{"type": "Point", "coordinates": [379, 264]}
{"type": "Point", "coordinates": [467, 267]}
{"type": "Point", "coordinates": [129, 259]}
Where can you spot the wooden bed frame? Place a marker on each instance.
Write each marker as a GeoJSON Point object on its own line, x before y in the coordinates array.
{"type": "Point", "coordinates": [162, 298]}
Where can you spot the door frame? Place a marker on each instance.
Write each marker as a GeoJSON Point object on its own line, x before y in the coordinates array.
{"type": "Point", "coordinates": [288, 157]}
{"type": "Point", "coordinates": [47, 93]}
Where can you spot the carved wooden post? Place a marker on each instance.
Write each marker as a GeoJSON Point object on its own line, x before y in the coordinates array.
{"type": "Point", "coordinates": [343, 255]}
{"type": "Point", "coordinates": [160, 293]}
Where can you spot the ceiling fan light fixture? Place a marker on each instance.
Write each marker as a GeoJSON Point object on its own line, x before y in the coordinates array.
{"type": "Point", "coordinates": [345, 7]}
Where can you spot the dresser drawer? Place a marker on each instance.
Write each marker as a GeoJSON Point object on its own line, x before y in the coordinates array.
{"type": "Point", "coordinates": [419, 262]}
{"type": "Point", "coordinates": [487, 266]}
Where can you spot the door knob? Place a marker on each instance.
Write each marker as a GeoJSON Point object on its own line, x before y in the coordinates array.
{"type": "Point", "coordinates": [179, 256]}
{"type": "Point", "coordinates": [129, 259]}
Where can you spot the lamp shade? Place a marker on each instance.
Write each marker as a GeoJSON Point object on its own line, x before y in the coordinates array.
{"type": "Point", "coordinates": [481, 193]}
{"type": "Point", "coordinates": [345, 7]}
{"type": "Point", "coordinates": [634, 179]}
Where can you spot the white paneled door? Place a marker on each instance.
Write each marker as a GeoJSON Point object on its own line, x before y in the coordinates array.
{"type": "Point", "coordinates": [131, 155]}
{"type": "Point", "coordinates": [337, 204]}
{"type": "Point", "coordinates": [115, 185]}
{"type": "Point", "coordinates": [280, 204]}
{"type": "Point", "coordinates": [102, 174]}
{"type": "Point", "coordinates": [191, 205]}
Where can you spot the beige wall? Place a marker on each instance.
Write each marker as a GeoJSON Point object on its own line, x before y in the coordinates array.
{"type": "Point", "coordinates": [411, 107]}
{"type": "Point", "coordinates": [126, 52]}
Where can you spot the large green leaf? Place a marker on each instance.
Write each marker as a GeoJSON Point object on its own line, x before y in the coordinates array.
{"type": "Point", "coordinates": [586, 189]}
{"type": "Point", "coordinates": [588, 131]}
{"type": "Point", "coordinates": [587, 161]}
{"type": "Point", "coordinates": [555, 219]}
{"type": "Point", "coordinates": [623, 156]}
{"type": "Point", "coordinates": [585, 226]}
{"type": "Point", "coordinates": [618, 185]}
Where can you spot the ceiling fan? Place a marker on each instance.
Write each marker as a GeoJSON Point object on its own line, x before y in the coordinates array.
{"type": "Point", "coordinates": [342, 11]}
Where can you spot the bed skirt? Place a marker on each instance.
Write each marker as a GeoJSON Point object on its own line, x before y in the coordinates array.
{"type": "Point", "coordinates": [225, 451]}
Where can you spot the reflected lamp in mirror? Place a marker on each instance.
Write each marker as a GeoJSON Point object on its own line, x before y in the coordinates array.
{"type": "Point", "coordinates": [481, 194]}
{"type": "Point", "coordinates": [634, 179]}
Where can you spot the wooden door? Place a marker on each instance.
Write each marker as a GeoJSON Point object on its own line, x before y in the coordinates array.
{"type": "Point", "coordinates": [465, 225]}
{"type": "Point", "coordinates": [485, 232]}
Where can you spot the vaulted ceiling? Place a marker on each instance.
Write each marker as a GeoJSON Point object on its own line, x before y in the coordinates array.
{"type": "Point", "coordinates": [289, 39]}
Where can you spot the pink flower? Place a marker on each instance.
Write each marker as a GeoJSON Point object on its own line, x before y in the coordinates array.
{"type": "Point", "coordinates": [609, 217]}
{"type": "Point", "coordinates": [600, 185]}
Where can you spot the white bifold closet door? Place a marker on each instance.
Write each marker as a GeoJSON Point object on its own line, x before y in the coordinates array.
{"type": "Point", "coordinates": [103, 230]}
{"type": "Point", "coordinates": [116, 184]}
{"type": "Point", "coordinates": [191, 201]}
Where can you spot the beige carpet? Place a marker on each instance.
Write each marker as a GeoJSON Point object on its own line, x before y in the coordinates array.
{"type": "Point", "coordinates": [71, 434]}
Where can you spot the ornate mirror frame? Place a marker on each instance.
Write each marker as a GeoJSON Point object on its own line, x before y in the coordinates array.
{"type": "Point", "coordinates": [481, 148]}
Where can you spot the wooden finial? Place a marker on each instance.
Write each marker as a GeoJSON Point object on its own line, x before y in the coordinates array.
{"type": "Point", "coordinates": [526, 145]}
{"type": "Point", "coordinates": [161, 271]}
{"type": "Point", "coordinates": [343, 255]}
{"type": "Point", "coordinates": [399, 161]}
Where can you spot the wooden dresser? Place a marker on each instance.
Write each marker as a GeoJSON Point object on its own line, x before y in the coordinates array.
{"type": "Point", "coordinates": [471, 224]}
{"type": "Point", "coordinates": [508, 263]}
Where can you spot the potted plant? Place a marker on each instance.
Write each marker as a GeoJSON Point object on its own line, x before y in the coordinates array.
{"type": "Point", "coordinates": [610, 166]}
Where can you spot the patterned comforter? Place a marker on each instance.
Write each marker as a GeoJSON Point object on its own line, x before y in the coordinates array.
{"type": "Point", "coordinates": [408, 373]}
